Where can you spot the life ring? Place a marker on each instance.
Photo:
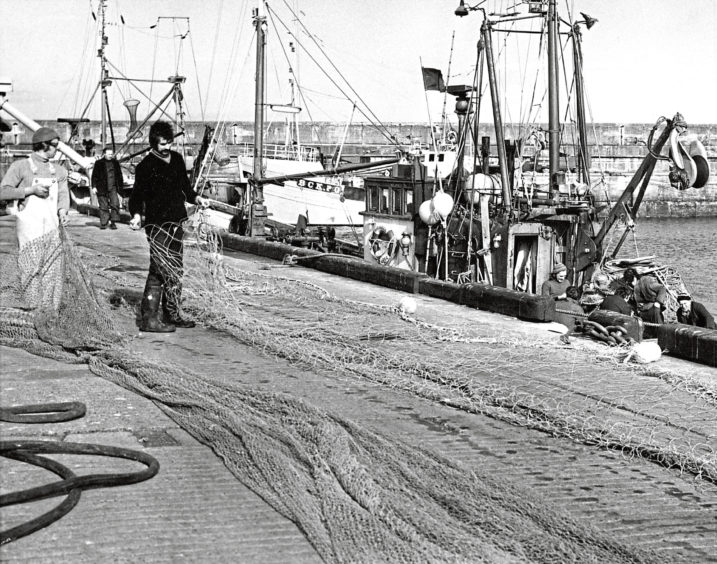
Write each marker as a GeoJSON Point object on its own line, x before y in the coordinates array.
{"type": "Point", "coordinates": [452, 137]}
{"type": "Point", "coordinates": [382, 244]}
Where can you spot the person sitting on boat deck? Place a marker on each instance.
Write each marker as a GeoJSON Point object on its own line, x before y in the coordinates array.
{"type": "Point", "coordinates": [617, 301]}
{"type": "Point", "coordinates": [161, 189]}
{"type": "Point", "coordinates": [569, 309]}
{"type": "Point", "coordinates": [43, 199]}
{"type": "Point", "coordinates": [106, 183]}
{"type": "Point", "coordinates": [650, 298]}
{"type": "Point", "coordinates": [601, 284]}
{"type": "Point", "coordinates": [629, 278]}
{"type": "Point", "coordinates": [557, 284]}
{"type": "Point", "coordinates": [572, 296]}
{"type": "Point", "coordinates": [694, 313]}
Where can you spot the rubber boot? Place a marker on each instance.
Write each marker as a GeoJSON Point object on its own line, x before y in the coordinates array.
{"type": "Point", "coordinates": [151, 319]}
{"type": "Point", "coordinates": [170, 308]}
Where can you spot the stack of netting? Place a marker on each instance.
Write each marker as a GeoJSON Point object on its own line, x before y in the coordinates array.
{"type": "Point", "coordinates": [362, 497]}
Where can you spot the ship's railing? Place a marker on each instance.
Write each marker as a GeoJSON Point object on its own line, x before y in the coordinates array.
{"type": "Point", "coordinates": [282, 152]}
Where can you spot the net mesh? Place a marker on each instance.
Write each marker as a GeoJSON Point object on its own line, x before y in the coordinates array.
{"type": "Point", "coordinates": [357, 495]}
{"type": "Point", "coordinates": [582, 391]}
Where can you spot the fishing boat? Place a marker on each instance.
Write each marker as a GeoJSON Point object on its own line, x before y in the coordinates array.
{"type": "Point", "coordinates": [489, 229]}
{"type": "Point", "coordinates": [112, 84]}
{"type": "Point", "coordinates": [278, 187]}
{"type": "Point", "coordinates": [511, 216]}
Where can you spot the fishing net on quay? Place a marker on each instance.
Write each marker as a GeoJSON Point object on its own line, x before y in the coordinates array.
{"type": "Point", "coordinates": [357, 495]}
{"type": "Point", "coordinates": [587, 395]}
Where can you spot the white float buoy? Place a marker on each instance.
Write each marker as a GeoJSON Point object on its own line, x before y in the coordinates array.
{"type": "Point", "coordinates": [646, 352]}
{"type": "Point", "coordinates": [408, 305]}
{"type": "Point", "coordinates": [442, 204]}
{"type": "Point", "coordinates": [426, 213]}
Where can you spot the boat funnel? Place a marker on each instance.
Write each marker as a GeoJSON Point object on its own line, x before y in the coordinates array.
{"type": "Point", "coordinates": [131, 106]}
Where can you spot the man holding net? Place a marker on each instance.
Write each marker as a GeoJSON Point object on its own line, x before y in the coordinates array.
{"type": "Point", "coordinates": [42, 199]}
{"type": "Point", "coordinates": [161, 189]}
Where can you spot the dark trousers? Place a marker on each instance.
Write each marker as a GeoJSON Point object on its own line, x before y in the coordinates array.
{"type": "Point", "coordinates": [109, 205]}
{"type": "Point", "coordinates": [652, 315]}
{"type": "Point", "coordinates": [166, 264]}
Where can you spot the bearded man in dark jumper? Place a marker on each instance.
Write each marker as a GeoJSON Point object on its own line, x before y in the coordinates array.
{"type": "Point", "coordinates": [161, 190]}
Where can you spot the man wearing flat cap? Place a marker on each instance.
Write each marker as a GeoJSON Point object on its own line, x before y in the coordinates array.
{"type": "Point", "coordinates": [42, 199]}
{"type": "Point", "coordinates": [694, 313]}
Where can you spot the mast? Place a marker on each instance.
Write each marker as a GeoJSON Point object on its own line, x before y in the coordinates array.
{"type": "Point", "coordinates": [584, 158]}
{"type": "Point", "coordinates": [255, 192]}
{"type": "Point", "coordinates": [104, 80]}
{"type": "Point", "coordinates": [553, 94]}
{"type": "Point", "coordinates": [497, 118]}
{"type": "Point", "coordinates": [260, 25]}
{"type": "Point", "coordinates": [444, 115]}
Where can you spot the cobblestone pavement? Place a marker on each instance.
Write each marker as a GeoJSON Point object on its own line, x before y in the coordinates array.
{"type": "Point", "coordinates": [195, 511]}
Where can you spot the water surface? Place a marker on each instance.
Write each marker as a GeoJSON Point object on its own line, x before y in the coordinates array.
{"type": "Point", "coordinates": [687, 244]}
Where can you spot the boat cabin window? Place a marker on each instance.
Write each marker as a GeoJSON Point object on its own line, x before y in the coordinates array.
{"type": "Point", "coordinates": [385, 194]}
{"type": "Point", "coordinates": [372, 204]}
{"type": "Point", "coordinates": [409, 202]}
{"type": "Point", "coordinates": [389, 198]}
{"type": "Point", "coordinates": [397, 202]}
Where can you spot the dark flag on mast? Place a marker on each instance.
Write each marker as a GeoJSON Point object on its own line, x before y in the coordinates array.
{"type": "Point", "coordinates": [433, 79]}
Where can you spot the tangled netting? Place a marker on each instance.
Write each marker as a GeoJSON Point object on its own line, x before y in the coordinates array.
{"type": "Point", "coordinates": [590, 395]}
{"type": "Point", "coordinates": [49, 285]}
{"type": "Point", "coordinates": [360, 496]}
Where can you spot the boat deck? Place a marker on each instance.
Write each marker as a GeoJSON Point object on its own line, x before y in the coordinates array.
{"type": "Point", "coordinates": [195, 510]}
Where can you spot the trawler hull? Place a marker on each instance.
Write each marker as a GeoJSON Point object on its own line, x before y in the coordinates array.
{"type": "Point", "coordinates": [319, 206]}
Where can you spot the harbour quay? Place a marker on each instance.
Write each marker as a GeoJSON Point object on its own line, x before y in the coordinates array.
{"type": "Point", "coordinates": [196, 509]}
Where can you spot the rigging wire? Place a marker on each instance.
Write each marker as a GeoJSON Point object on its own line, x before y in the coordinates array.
{"type": "Point", "coordinates": [82, 73]}
{"type": "Point", "coordinates": [444, 118]}
{"type": "Point", "coordinates": [299, 87]}
{"type": "Point", "coordinates": [568, 115]}
{"type": "Point", "coordinates": [229, 87]}
{"type": "Point", "coordinates": [122, 48]}
{"type": "Point", "coordinates": [132, 84]}
{"type": "Point", "coordinates": [373, 119]}
{"type": "Point", "coordinates": [154, 59]}
{"type": "Point", "coordinates": [220, 12]}
{"type": "Point", "coordinates": [196, 74]}
{"type": "Point", "coordinates": [231, 79]}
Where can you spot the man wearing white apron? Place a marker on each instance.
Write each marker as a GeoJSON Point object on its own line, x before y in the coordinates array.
{"type": "Point", "coordinates": [43, 199]}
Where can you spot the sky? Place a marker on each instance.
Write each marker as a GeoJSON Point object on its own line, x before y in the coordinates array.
{"type": "Point", "coordinates": [642, 60]}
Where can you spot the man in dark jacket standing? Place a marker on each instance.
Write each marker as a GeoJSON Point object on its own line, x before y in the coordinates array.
{"type": "Point", "coordinates": [161, 189]}
{"type": "Point", "coordinates": [106, 183]}
{"type": "Point", "coordinates": [694, 313]}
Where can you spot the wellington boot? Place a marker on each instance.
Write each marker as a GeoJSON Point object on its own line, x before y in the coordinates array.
{"type": "Point", "coordinates": [153, 324]}
{"type": "Point", "coordinates": [151, 318]}
{"type": "Point", "coordinates": [182, 322]}
{"type": "Point", "coordinates": [170, 308]}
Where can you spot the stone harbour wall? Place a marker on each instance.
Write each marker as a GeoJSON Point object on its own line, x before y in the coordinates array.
{"type": "Point", "coordinates": [616, 149]}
